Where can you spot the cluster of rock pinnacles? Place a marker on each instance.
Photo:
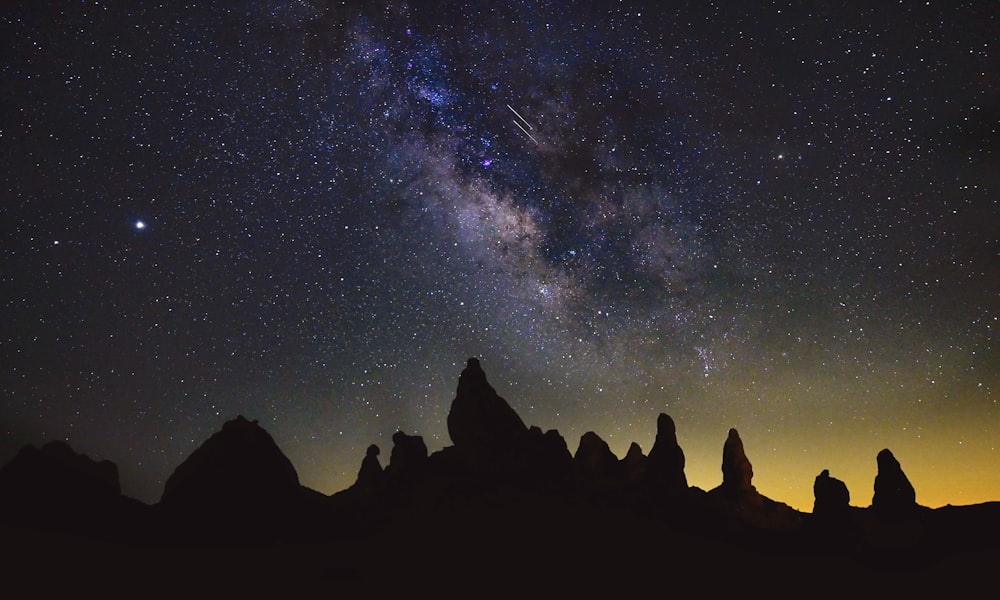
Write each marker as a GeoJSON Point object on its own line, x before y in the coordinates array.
{"type": "Point", "coordinates": [241, 466]}
{"type": "Point", "coordinates": [489, 436]}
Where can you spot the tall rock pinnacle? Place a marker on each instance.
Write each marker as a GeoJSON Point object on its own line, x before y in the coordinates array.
{"type": "Point", "coordinates": [665, 465]}
{"type": "Point", "coordinates": [737, 472]}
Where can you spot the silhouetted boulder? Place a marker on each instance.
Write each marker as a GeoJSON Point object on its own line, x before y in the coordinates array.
{"type": "Point", "coordinates": [894, 495]}
{"type": "Point", "coordinates": [737, 472]}
{"type": "Point", "coordinates": [237, 468]}
{"type": "Point", "coordinates": [665, 467]}
{"type": "Point", "coordinates": [831, 496]}
{"type": "Point", "coordinates": [595, 461]}
{"type": "Point", "coordinates": [480, 419]}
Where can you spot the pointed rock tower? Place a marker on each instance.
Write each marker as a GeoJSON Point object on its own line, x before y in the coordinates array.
{"type": "Point", "coordinates": [739, 502]}
{"type": "Point", "coordinates": [737, 472]}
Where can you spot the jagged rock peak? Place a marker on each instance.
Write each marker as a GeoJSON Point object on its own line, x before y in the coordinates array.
{"type": "Point", "coordinates": [479, 417]}
{"type": "Point", "coordinates": [634, 453]}
{"type": "Point", "coordinates": [737, 472]}
{"type": "Point", "coordinates": [893, 491]}
{"type": "Point", "coordinates": [831, 495]}
{"type": "Point", "coordinates": [634, 464]}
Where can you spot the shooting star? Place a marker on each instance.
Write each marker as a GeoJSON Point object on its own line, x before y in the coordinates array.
{"type": "Point", "coordinates": [525, 121]}
{"type": "Point", "coordinates": [526, 132]}
{"type": "Point", "coordinates": [522, 127]}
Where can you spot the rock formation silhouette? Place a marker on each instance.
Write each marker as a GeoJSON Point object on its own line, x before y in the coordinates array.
{"type": "Point", "coordinates": [54, 487]}
{"type": "Point", "coordinates": [238, 465]}
{"type": "Point", "coordinates": [596, 464]}
{"type": "Point", "coordinates": [408, 454]}
{"type": "Point", "coordinates": [634, 465]}
{"type": "Point", "coordinates": [371, 475]}
{"type": "Point", "coordinates": [548, 463]}
{"type": "Point", "coordinates": [479, 419]}
{"type": "Point", "coordinates": [832, 498]}
{"type": "Point", "coordinates": [665, 465]}
{"type": "Point", "coordinates": [500, 485]}
{"type": "Point", "coordinates": [737, 472]}
{"type": "Point", "coordinates": [491, 442]}
{"type": "Point", "coordinates": [238, 486]}
{"type": "Point", "coordinates": [56, 469]}
{"type": "Point", "coordinates": [894, 495]}
{"type": "Point", "coordinates": [738, 502]}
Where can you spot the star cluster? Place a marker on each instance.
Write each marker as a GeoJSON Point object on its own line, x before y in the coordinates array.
{"type": "Point", "coordinates": [779, 217]}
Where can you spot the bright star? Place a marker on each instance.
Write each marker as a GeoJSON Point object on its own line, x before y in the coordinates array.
{"type": "Point", "coordinates": [140, 224]}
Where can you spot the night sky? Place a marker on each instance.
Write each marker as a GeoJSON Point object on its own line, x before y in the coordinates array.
{"type": "Point", "coordinates": [781, 217]}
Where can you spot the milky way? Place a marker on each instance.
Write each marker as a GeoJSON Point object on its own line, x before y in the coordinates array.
{"type": "Point", "coordinates": [777, 217]}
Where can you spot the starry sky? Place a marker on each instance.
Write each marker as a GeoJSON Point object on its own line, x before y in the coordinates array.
{"type": "Point", "coordinates": [775, 216]}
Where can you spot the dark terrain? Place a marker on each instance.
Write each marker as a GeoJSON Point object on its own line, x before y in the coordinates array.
{"type": "Point", "coordinates": [507, 509]}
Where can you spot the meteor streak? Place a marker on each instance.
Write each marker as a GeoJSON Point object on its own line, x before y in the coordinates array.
{"type": "Point", "coordinates": [526, 132]}
{"type": "Point", "coordinates": [525, 121]}
{"type": "Point", "coordinates": [520, 120]}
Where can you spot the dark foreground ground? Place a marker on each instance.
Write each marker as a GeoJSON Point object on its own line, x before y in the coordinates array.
{"type": "Point", "coordinates": [541, 552]}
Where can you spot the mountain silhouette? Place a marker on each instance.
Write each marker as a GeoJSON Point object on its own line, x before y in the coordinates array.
{"type": "Point", "coordinates": [238, 486]}
{"type": "Point", "coordinates": [505, 502]}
